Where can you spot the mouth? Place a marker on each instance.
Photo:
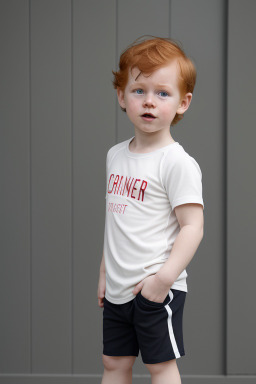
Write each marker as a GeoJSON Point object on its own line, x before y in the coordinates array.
{"type": "Point", "coordinates": [148, 116]}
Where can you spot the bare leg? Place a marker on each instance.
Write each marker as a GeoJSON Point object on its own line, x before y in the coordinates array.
{"type": "Point", "coordinates": [117, 369]}
{"type": "Point", "coordinates": [164, 373]}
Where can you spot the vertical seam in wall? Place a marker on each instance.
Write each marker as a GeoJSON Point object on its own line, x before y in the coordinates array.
{"type": "Point", "coordinates": [30, 182]}
{"type": "Point", "coordinates": [225, 49]}
{"type": "Point", "coordinates": [72, 198]}
{"type": "Point", "coordinates": [169, 13]}
{"type": "Point", "coordinates": [116, 60]}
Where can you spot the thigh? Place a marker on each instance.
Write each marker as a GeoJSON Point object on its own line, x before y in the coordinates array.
{"type": "Point", "coordinates": [119, 336]}
{"type": "Point", "coordinates": [159, 327]}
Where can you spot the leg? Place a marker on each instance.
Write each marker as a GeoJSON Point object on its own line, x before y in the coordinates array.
{"type": "Point", "coordinates": [117, 369]}
{"type": "Point", "coordinates": [159, 333]}
{"type": "Point", "coordinates": [164, 373]}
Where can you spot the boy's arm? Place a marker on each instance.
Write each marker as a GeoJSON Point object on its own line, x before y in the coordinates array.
{"type": "Point", "coordinates": [191, 221]}
{"type": "Point", "coordinates": [102, 282]}
{"type": "Point", "coordinates": [102, 264]}
{"type": "Point", "coordinates": [190, 217]}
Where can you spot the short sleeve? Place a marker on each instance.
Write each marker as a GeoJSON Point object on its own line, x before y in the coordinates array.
{"type": "Point", "coordinates": [107, 165]}
{"type": "Point", "coordinates": [182, 180]}
{"type": "Point", "coordinates": [110, 153]}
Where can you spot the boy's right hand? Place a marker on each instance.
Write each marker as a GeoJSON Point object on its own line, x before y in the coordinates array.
{"type": "Point", "coordinates": [101, 288]}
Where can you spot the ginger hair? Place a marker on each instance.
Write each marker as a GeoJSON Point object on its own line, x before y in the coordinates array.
{"type": "Point", "coordinates": [149, 55]}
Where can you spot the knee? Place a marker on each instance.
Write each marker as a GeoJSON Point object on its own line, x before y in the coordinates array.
{"type": "Point", "coordinates": [158, 368]}
{"type": "Point", "coordinates": [123, 363]}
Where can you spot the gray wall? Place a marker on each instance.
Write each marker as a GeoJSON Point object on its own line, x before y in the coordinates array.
{"type": "Point", "coordinates": [58, 118]}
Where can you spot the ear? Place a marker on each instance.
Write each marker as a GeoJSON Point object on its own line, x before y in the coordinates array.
{"type": "Point", "coordinates": [120, 96]}
{"type": "Point", "coordinates": [184, 103]}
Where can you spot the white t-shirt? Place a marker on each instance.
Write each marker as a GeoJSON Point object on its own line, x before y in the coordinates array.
{"type": "Point", "coordinates": [142, 190]}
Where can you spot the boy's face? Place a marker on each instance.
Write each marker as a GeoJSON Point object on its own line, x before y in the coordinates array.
{"type": "Point", "coordinates": [151, 102]}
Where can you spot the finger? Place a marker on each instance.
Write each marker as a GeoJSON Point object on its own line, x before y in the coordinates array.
{"type": "Point", "coordinates": [100, 302]}
{"type": "Point", "coordinates": [138, 288]}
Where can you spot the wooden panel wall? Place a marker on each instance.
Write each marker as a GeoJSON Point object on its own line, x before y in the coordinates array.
{"type": "Point", "coordinates": [94, 28]}
{"type": "Point", "coordinates": [241, 227]}
{"type": "Point", "coordinates": [15, 235]}
{"type": "Point", "coordinates": [51, 209]}
{"type": "Point", "coordinates": [58, 117]}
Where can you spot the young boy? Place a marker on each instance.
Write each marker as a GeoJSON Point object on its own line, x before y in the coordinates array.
{"type": "Point", "coordinates": [154, 216]}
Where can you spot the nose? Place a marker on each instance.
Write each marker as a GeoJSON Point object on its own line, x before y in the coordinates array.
{"type": "Point", "coordinates": [149, 101]}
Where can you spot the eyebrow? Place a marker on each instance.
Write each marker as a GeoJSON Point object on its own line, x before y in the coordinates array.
{"type": "Point", "coordinates": [157, 85]}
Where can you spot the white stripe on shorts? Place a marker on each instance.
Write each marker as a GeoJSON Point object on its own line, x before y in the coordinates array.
{"type": "Point", "coordinates": [170, 328]}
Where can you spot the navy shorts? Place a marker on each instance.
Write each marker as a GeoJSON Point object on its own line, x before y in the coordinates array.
{"type": "Point", "coordinates": [154, 329]}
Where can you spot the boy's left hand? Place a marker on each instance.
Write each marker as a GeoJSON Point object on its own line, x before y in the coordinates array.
{"type": "Point", "coordinates": [152, 288]}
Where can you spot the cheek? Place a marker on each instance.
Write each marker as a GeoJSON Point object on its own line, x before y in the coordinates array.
{"type": "Point", "coordinates": [169, 109]}
{"type": "Point", "coordinates": [131, 105]}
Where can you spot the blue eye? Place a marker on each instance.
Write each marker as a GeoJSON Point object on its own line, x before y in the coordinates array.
{"type": "Point", "coordinates": [163, 94]}
{"type": "Point", "coordinates": [139, 91]}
